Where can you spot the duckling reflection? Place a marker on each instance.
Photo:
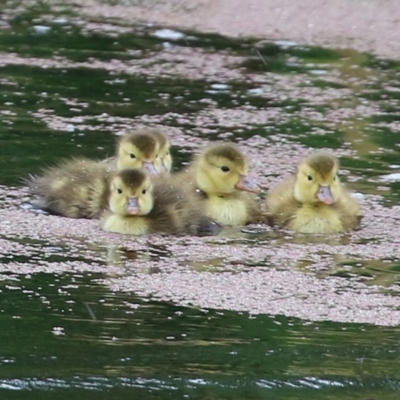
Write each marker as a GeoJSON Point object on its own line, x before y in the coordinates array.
{"type": "Point", "coordinates": [143, 259]}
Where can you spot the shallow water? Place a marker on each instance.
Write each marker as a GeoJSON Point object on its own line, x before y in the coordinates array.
{"type": "Point", "coordinates": [81, 317]}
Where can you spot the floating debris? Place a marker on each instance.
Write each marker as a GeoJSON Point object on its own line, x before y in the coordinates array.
{"type": "Point", "coordinates": [219, 86]}
{"type": "Point", "coordinates": [168, 34]}
{"type": "Point", "coordinates": [255, 92]}
{"type": "Point", "coordinates": [285, 43]}
{"type": "Point", "coordinates": [318, 71]}
{"type": "Point", "coordinates": [61, 21]}
{"type": "Point", "coordinates": [41, 29]}
{"type": "Point", "coordinates": [391, 177]}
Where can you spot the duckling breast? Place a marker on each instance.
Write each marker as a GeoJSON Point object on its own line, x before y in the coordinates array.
{"type": "Point", "coordinates": [316, 219]}
{"type": "Point", "coordinates": [134, 225]}
{"type": "Point", "coordinates": [227, 211]}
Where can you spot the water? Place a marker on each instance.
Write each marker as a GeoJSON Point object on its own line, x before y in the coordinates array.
{"type": "Point", "coordinates": [65, 334]}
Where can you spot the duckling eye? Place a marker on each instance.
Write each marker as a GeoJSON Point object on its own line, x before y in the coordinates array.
{"type": "Point", "coordinates": [144, 191]}
{"type": "Point", "coordinates": [224, 168]}
{"type": "Point", "coordinates": [119, 191]}
{"type": "Point", "coordinates": [309, 177]}
{"type": "Point", "coordinates": [132, 155]}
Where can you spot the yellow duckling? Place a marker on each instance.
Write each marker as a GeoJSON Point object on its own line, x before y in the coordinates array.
{"type": "Point", "coordinates": [314, 201]}
{"type": "Point", "coordinates": [219, 174]}
{"type": "Point", "coordinates": [130, 201]}
{"type": "Point", "coordinates": [138, 205]}
{"type": "Point", "coordinates": [139, 149]}
{"type": "Point", "coordinates": [78, 188]}
{"type": "Point", "coordinates": [136, 150]}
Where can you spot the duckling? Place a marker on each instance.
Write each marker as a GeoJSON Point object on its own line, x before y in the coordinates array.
{"type": "Point", "coordinates": [130, 200]}
{"type": "Point", "coordinates": [164, 149]}
{"type": "Point", "coordinates": [138, 205]}
{"type": "Point", "coordinates": [139, 149]}
{"type": "Point", "coordinates": [78, 188]}
{"type": "Point", "coordinates": [314, 201]}
{"type": "Point", "coordinates": [219, 174]}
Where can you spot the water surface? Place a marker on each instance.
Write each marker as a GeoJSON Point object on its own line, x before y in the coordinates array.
{"type": "Point", "coordinates": [66, 90]}
{"type": "Point", "coordinates": [69, 337]}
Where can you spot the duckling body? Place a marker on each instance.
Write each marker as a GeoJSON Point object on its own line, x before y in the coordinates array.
{"type": "Point", "coordinates": [219, 176]}
{"type": "Point", "coordinates": [314, 201]}
{"type": "Point", "coordinates": [165, 208]}
{"type": "Point", "coordinates": [79, 188]}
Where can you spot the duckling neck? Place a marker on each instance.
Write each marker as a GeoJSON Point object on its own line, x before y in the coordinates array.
{"type": "Point", "coordinates": [317, 206]}
{"type": "Point", "coordinates": [226, 209]}
{"type": "Point", "coordinates": [208, 195]}
{"type": "Point", "coordinates": [131, 225]}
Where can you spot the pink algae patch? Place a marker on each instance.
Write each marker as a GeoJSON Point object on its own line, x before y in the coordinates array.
{"type": "Point", "coordinates": [267, 291]}
{"type": "Point", "coordinates": [369, 25]}
{"type": "Point", "coordinates": [272, 272]}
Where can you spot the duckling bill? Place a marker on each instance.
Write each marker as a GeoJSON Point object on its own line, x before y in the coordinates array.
{"type": "Point", "coordinates": [314, 200]}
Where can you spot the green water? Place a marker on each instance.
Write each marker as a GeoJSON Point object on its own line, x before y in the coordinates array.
{"type": "Point", "coordinates": [67, 337]}
{"type": "Point", "coordinates": [118, 346]}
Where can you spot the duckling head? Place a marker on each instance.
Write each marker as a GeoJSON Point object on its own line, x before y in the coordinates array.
{"type": "Point", "coordinates": [221, 169]}
{"type": "Point", "coordinates": [138, 149]}
{"type": "Point", "coordinates": [164, 163]}
{"type": "Point", "coordinates": [317, 180]}
{"type": "Point", "coordinates": [131, 193]}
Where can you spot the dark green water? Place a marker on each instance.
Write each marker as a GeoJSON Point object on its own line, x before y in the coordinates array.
{"type": "Point", "coordinates": [108, 350]}
{"type": "Point", "coordinates": [119, 346]}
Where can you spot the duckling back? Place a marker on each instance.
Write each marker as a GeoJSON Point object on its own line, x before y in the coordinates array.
{"type": "Point", "coordinates": [179, 211]}
{"type": "Point", "coordinates": [76, 188]}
